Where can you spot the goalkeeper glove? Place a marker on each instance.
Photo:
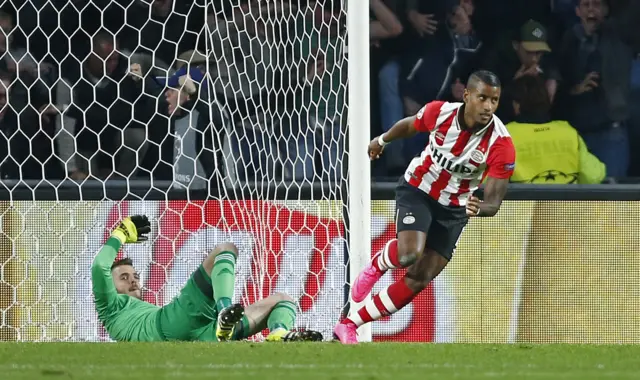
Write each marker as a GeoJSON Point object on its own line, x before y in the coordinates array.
{"type": "Point", "coordinates": [132, 229]}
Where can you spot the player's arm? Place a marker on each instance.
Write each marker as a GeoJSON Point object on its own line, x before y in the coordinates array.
{"type": "Point", "coordinates": [424, 121]}
{"type": "Point", "coordinates": [494, 192]}
{"type": "Point", "coordinates": [501, 164]}
{"type": "Point", "coordinates": [131, 230]}
{"type": "Point", "coordinates": [104, 291]}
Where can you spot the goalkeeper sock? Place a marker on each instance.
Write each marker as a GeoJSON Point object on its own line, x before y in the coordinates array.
{"type": "Point", "coordinates": [387, 302]}
{"type": "Point", "coordinates": [223, 279]}
{"type": "Point", "coordinates": [283, 316]}
{"type": "Point", "coordinates": [242, 329]}
{"type": "Point", "coordinates": [388, 258]}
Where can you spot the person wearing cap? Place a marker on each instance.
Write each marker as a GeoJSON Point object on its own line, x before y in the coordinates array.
{"type": "Point", "coordinates": [527, 55]}
{"type": "Point", "coordinates": [596, 60]}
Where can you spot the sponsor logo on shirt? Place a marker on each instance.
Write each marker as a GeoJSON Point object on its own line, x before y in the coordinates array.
{"type": "Point", "coordinates": [448, 165]}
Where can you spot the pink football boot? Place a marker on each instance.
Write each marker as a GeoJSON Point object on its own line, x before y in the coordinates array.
{"type": "Point", "coordinates": [365, 281]}
{"type": "Point", "coordinates": [345, 331]}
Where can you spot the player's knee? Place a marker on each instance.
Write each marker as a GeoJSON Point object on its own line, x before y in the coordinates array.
{"type": "Point", "coordinates": [220, 248]}
{"type": "Point", "coordinates": [410, 248]}
{"type": "Point", "coordinates": [408, 254]}
{"type": "Point", "coordinates": [281, 297]}
{"type": "Point", "coordinates": [224, 247]}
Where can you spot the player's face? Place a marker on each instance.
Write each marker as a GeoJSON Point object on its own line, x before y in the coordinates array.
{"type": "Point", "coordinates": [127, 281]}
{"type": "Point", "coordinates": [481, 102]}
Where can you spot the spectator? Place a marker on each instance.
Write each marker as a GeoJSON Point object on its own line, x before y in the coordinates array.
{"type": "Point", "coordinates": [526, 55]}
{"type": "Point", "coordinates": [548, 151]}
{"type": "Point", "coordinates": [98, 104]}
{"type": "Point", "coordinates": [386, 58]}
{"type": "Point", "coordinates": [8, 126]}
{"type": "Point", "coordinates": [28, 125]}
{"type": "Point", "coordinates": [385, 25]}
{"type": "Point", "coordinates": [163, 29]}
{"type": "Point", "coordinates": [634, 169]}
{"type": "Point", "coordinates": [242, 75]}
{"type": "Point", "coordinates": [435, 74]}
{"type": "Point", "coordinates": [320, 114]}
{"type": "Point", "coordinates": [197, 156]}
{"type": "Point", "coordinates": [596, 61]}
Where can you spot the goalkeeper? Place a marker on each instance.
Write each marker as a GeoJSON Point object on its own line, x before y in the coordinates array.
{"type": "Point", "coordinates": [201, 312]}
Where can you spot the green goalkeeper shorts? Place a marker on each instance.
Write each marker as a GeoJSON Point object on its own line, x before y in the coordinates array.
{"type": "Point", "coordinates": [192, 314]}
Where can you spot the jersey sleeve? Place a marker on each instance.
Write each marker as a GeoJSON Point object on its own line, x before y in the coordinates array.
{"type": "Point", "coordinates": [427, 117]}
{"type": "Point", "coordinates": [592, 170]}
{"type": "Point", "coordinates": [104, 291]}
{"type": "Point", "coordinates": [502, 158]}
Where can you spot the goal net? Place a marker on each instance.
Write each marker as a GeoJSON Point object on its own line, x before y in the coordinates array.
{"type": "Point", "coordinates": [221, 121]}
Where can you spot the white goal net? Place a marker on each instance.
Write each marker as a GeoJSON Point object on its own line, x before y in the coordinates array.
{"type": "Point", "coordinates": [220, 120]}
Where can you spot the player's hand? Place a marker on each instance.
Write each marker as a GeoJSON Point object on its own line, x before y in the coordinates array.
{"type": "Point", "coordinates": [375, 149]}
{"type": "Point", "coordinates": [133, 229]}
{"type": "Point", "coordinates": [473, 206]}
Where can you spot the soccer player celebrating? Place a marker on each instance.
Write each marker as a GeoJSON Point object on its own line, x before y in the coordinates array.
{"type": "Point", "coordinates": [434, 199]}
{"type": "Point", "coordinates": [203, 310]}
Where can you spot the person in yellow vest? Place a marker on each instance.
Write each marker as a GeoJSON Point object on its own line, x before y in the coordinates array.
{"type": "Point", "coordinates": [548, 151]}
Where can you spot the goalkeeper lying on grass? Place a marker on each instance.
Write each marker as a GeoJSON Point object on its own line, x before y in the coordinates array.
{"type": "Point", "coordinates": [202, 311]}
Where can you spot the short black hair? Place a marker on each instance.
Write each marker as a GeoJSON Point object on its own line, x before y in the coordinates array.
{"type": "Point", "coordinates": [121, 262]}
{"type": "Point", "coordinates": [483, 76]}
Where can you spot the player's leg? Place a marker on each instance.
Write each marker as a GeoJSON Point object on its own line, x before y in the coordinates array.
{"type": "Point", "coordinates": [196, 305]}
{"type": "Point", "coordinates": [413, 220]}
{"type": "Point", "coordinates": [277, 313]}
{"type": "Point", "coordinates": [220, 264]}
{"type": "Point", "coordinates": [444, 235]}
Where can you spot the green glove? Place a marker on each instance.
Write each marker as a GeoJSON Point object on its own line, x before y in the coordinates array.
{"type": "Point", "coordinates": [132, 229]}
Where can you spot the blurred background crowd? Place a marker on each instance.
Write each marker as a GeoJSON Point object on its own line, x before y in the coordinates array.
{"type": "Point", "coordinates": [122, 89]}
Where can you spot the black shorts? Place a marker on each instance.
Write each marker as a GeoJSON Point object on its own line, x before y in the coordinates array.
{"type": "Point", "coordinates": [417, 211]}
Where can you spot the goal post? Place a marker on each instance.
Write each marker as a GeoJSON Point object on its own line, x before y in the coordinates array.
{"type": "Point", "coordinates": [267, 150]}
{"type": "Point", "coordinates": [359, 137]}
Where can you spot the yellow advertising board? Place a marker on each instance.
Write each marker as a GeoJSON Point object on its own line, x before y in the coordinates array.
{"type": "Point", "coordinates": [540, 271]}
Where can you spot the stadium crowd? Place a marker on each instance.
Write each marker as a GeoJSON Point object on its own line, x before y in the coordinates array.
{"type": "Point", "coordinates": [111, 89]}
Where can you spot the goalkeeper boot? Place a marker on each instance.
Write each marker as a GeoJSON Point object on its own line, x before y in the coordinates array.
{"type": "Point", "coordinates": [227, 320]}
{"type": "Point", "coordinates": [284, 335]}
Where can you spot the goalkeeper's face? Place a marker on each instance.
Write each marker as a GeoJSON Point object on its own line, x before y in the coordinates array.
{"type": "Point", "coordinates": [127, 280]}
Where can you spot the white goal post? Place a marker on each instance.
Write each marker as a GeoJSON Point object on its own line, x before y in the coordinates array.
{"type": "Point", "coordinates": [359, 131]}
{"type": "Point", "coordinates": [268, 150]}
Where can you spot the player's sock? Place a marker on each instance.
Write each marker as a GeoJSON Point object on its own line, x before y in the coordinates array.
{"type": "Point", "coordinates": [241, 331]}
{"type": "Point", "coordinates": [283, 316]}
{"type": "Point", "coordinates": [223, 278]}
{"type": "Point", "coordinates": [388, 258]}
{"type": "Point", "coordinates": [388, 301]}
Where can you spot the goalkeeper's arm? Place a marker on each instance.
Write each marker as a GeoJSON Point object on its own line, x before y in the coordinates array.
{"type": "Point", "coordinates": [104, 289]}
{"type": "Point", "coordinates": [131, 230]}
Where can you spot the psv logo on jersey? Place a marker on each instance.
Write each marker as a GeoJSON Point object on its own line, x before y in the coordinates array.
{"type": "Point", "coordinates": [477, 157]}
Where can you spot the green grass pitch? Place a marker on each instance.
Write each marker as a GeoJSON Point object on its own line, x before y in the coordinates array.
{"type": "Point", "coordinates": [309, 361]}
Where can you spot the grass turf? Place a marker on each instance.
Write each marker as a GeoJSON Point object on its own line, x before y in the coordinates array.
{"type": "Point", "coordinates": [262, 361]}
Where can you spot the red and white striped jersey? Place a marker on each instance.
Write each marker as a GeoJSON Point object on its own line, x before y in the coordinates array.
{"type": "Point", "coordinates": [455, 161]}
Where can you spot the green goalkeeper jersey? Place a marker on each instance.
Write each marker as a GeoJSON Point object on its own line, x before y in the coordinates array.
{"type": "Point", "coordinates": [124, 317]}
